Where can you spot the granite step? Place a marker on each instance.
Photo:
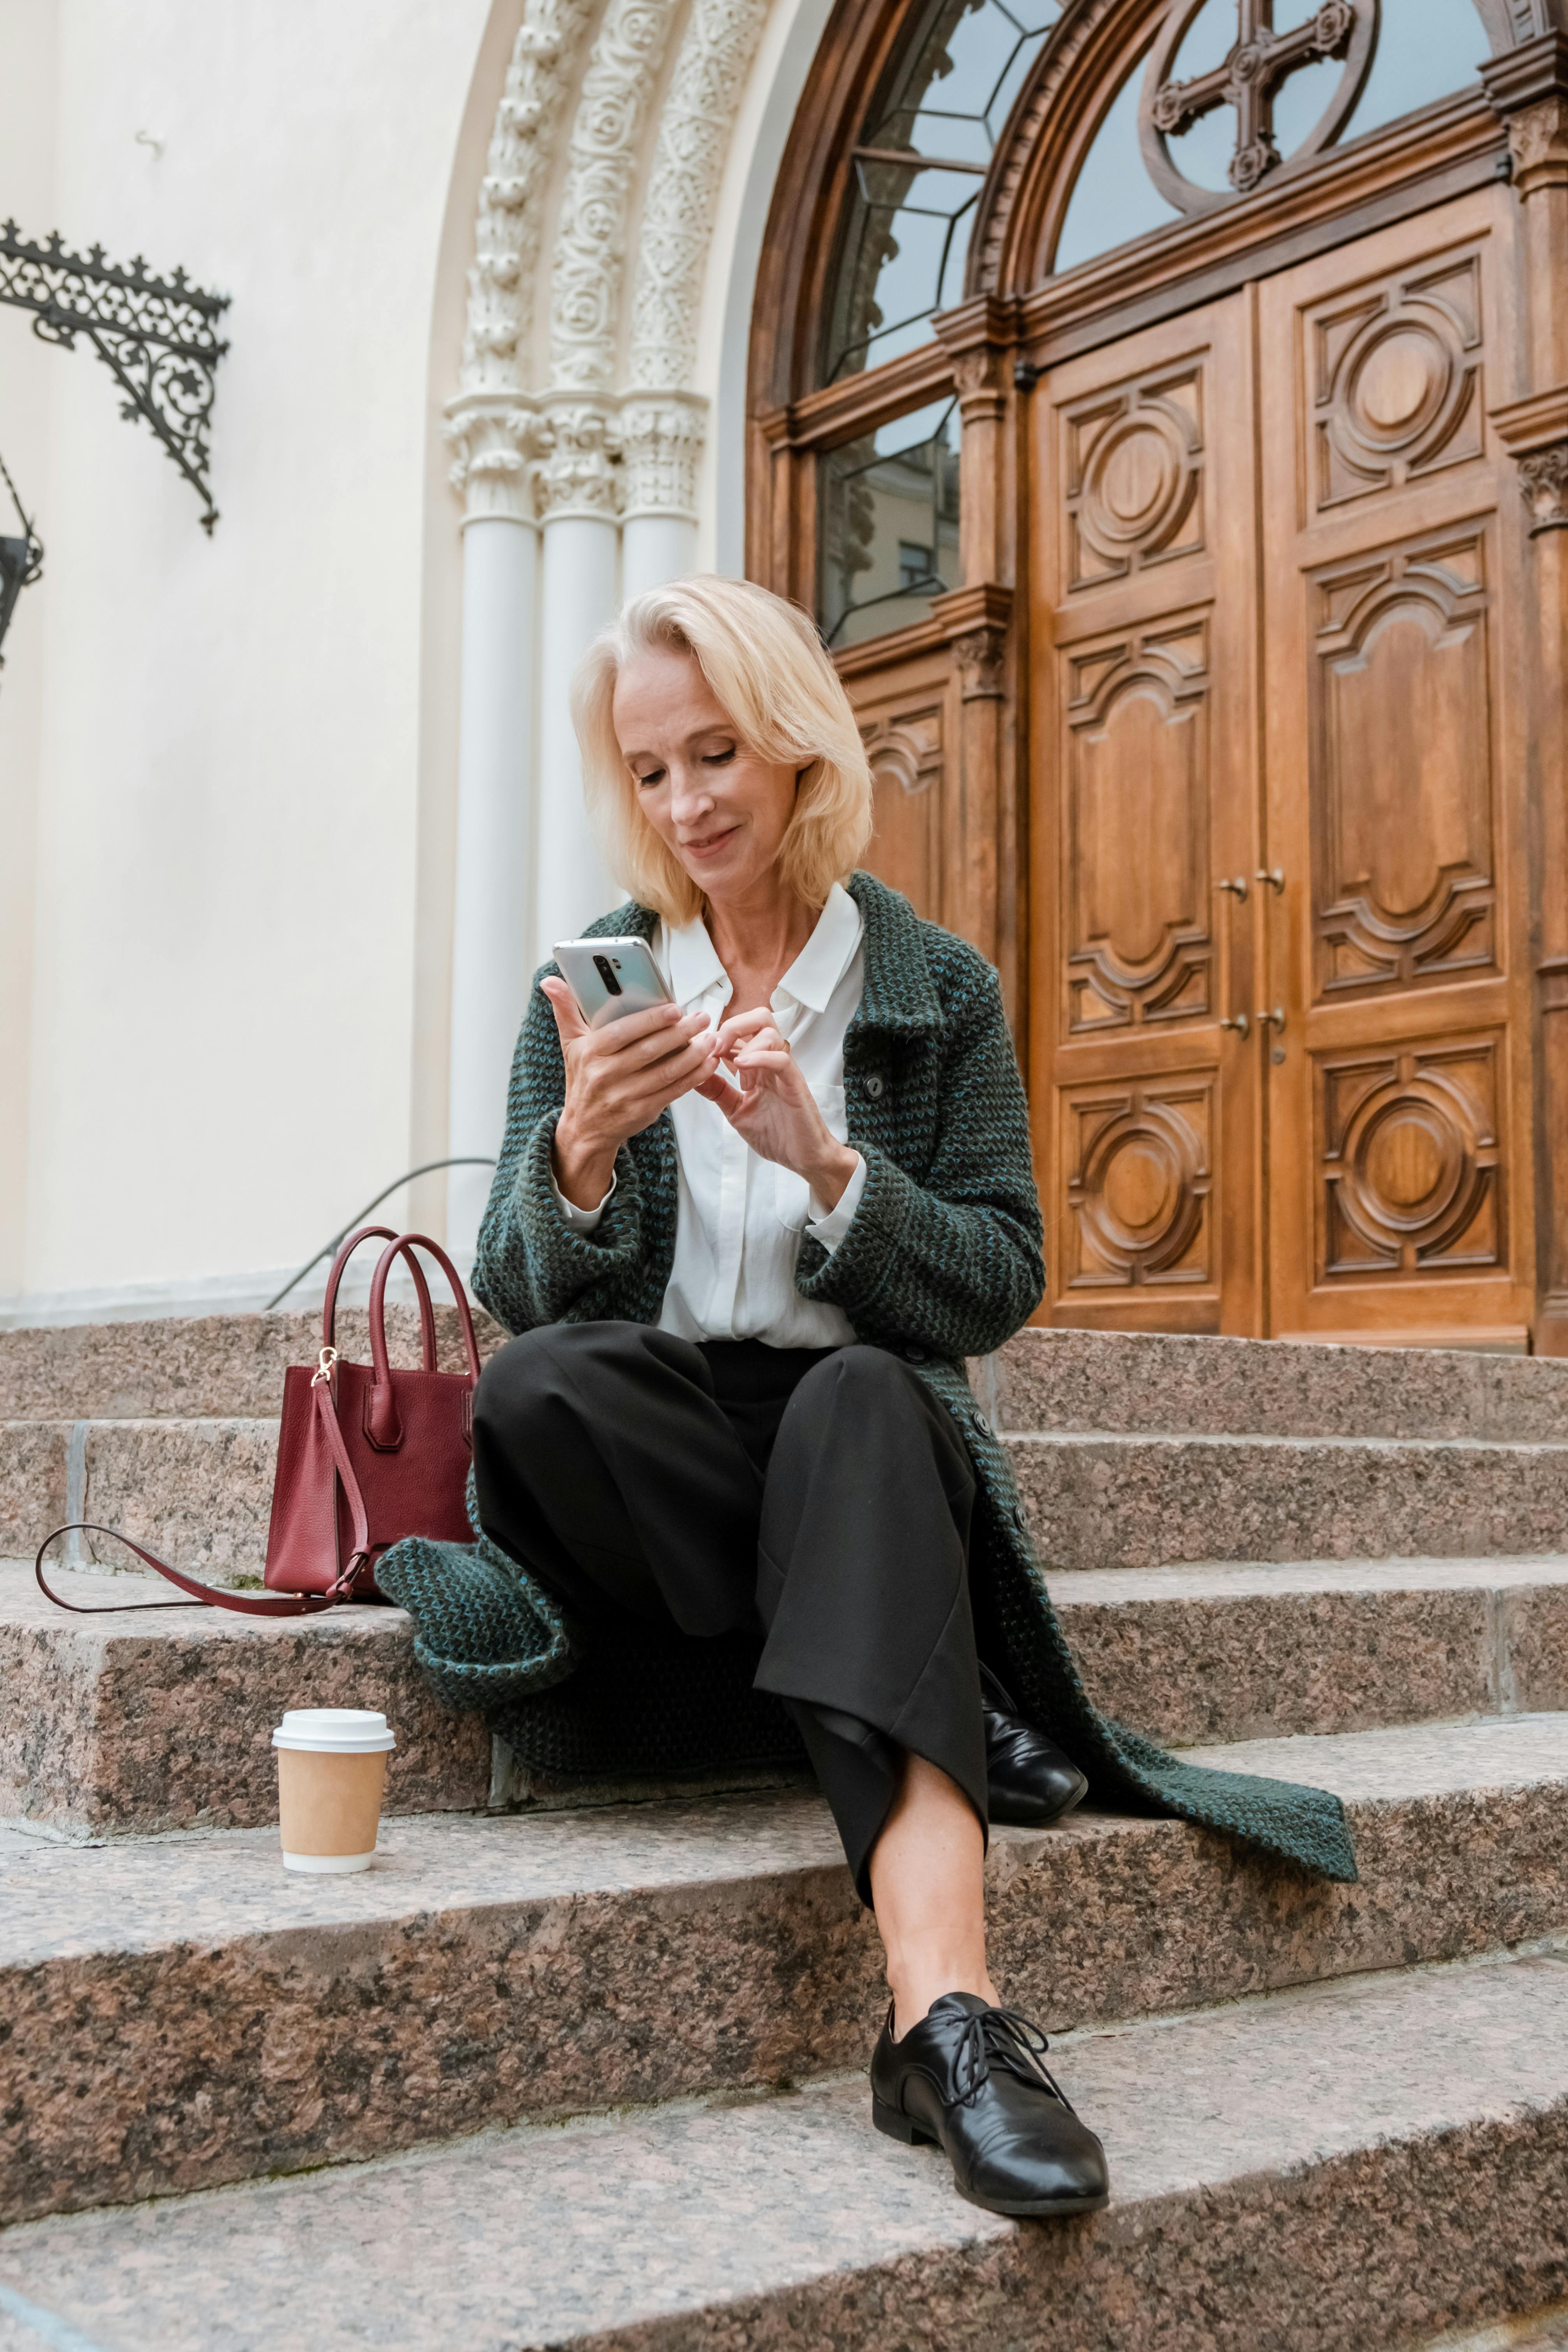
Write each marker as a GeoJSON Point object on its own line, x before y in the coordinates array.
{"type": "Point", "coordinates": [128, 1724]}
{"type": "Point", "coordinates": [199, 1491]}
{"type": "Point", "coordinates": [180, 2011]}
{"type": "Point", "coordinates": [200, 1367]}
{"type": "Point", "coordinates": [1354, 2164]}
{"type": "Point", "coordinates": [1260, 1649]}
{"type": "Point", "coordinates": [231, 1367]}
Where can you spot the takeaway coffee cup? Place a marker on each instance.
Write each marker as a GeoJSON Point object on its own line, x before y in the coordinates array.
{"type": "Point", "coordinates": [331, 1769]}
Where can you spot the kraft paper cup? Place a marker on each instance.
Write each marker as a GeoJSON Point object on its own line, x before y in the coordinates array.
{"type": "Point", "coordinates": [332, 1771]}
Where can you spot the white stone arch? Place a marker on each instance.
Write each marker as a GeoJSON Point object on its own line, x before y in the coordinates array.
{"type": "Point", "coordinates": [577, 432]}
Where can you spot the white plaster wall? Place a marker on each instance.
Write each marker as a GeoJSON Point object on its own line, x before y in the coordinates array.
{"type": "Point", "coordinates": [222, 738]}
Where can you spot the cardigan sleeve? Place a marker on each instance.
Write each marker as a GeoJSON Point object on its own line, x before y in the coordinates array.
{"type": "Point", "coordinates": [952, 1265]}
{"type": "Point", "coordinates": [529, 1266]}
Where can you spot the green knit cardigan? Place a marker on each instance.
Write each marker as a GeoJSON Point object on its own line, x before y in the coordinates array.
{"type": "Point", "coordinates": [941, 1261]}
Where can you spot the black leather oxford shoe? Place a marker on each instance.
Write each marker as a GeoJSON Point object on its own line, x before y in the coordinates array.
{"type": "Point", "coordinates": [1029, 1780]}
{"type": "Point", "coordinates": [971, 2078]}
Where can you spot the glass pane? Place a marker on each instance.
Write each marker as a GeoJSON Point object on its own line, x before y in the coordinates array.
{"type": "Point", "coordinates": [1113, 198]}
{"type": "Point", "coordinates": [1427, 49]}
{"type": "Point", "coordinates": [906, 236]}
{"type": "Point", "coordinates": [890, 526]}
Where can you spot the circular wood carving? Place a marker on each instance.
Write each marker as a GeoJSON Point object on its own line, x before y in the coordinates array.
{"type": "Point", "coordinates": [1136, 485]}
{"type": "Point", "coordinates": [1411, 1172]}
{"type": "Point", "coordinates": [1141, 1199]}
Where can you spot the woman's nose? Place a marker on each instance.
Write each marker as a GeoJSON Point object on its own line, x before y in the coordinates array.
{"type": "Point", "coordinates": [691, 797]}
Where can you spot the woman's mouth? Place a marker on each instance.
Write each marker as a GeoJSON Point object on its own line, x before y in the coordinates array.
{"type": "Point", "coordinates": [709, 843]}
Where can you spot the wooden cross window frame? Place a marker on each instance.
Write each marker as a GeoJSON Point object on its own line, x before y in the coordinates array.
{"type": "Point", "coordinates": [1250, 78]}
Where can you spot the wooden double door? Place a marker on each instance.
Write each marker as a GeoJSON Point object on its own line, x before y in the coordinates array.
{"type": "Point", "coordinates": [1280, 1033]}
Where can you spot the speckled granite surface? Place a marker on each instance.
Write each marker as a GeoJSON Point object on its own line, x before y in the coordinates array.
{"type": "Point", "coordinates": [1097, 1502]}
{"type": "Point", "coordinates": [1275, 2167]}
{"type": "Point", "coordinates": [32, 1481]}
{"type": "Point", "coordinates": [1143, 1381]}
{"type": "Point", "coordinates": [164, 1721]}
{"type": "Point", "coordinates": [486, 1970]}
{"type": "Point", "coordinates": [1243, 1652]}
{"type": "Point", "coordinates": [197, 1366]}
{"type": "Point", "coordinates": [200, 1492]}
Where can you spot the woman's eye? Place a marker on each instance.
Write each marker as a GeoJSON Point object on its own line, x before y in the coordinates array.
{"type": "Point", "coordinates": [718, 759]}
{"type": "Point", "coordinates": [654, 776]}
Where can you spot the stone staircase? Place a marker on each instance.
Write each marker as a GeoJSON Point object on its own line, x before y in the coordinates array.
{"type": "Point", "coordinates": [585, 2068]}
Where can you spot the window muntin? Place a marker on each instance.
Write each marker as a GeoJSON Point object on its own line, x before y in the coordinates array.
{"type": "Point", "coordinates": [888, 526]}
{"type": "Point", "coordinates": [920, 160]}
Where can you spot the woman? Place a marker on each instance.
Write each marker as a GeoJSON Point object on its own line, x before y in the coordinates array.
{"type": "Point", "coordinates": [747, 1240]}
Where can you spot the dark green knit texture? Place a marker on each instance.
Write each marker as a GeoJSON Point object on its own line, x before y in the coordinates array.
{"type": "Point", "coordinates": [942, 1262]}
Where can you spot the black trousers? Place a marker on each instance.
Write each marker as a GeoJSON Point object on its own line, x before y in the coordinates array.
{"type": "Point", "coordinates": [817, 1497]}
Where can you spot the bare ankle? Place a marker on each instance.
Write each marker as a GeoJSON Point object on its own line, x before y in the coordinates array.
{"type": "Point", "coordinates": [916, 1991]}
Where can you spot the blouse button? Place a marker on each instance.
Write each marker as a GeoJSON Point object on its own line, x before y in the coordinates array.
{"type": "Point", "coordinates": [874, 1086]}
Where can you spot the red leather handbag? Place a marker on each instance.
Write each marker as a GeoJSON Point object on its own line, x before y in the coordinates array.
{"type": "Point", "coordinates": [366, 1455]}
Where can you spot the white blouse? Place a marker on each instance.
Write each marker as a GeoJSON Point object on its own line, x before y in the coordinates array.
{"type": "Point", "coordinates": [740, 1219]}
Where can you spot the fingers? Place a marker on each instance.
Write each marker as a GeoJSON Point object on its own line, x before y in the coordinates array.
{"type": "Point", "coordinates": [569, 1022]}
{"type": "Point", "coordinates": [746, 1024]}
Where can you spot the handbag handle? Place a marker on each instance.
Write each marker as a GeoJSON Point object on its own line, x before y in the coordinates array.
{"type": "Point", "coordinates": [427, 1312]}
{"type": "Point", "coordinates": [383, 1426]}
{"type": "Point", "coordinates": [218, 1596]}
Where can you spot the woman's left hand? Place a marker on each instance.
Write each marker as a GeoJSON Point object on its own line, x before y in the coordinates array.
{"type": "Point", "coordinates": [773, 1108]}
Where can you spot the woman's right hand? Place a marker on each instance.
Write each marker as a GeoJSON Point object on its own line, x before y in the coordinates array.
{"type": "Point", "coordinates": [619, 1079]}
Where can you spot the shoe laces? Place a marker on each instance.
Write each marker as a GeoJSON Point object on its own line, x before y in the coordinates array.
{"type": "Point", "coordinates": [1003, 2038]}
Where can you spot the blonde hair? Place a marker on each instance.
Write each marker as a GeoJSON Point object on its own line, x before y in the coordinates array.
{"type": "Point", "coordinates": [766, 665]}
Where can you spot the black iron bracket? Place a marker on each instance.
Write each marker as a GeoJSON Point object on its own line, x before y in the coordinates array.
{"type": "Point", "coordinates": [157, 336]}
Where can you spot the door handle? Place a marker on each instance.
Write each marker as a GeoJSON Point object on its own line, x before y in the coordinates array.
{"type": "Point", "coordinates": [1241, 1026]}
{"type": "Point", "coordinates": [1275, 1020]}
{"type": "Point", "coordinates": [1238, 886]}
{"type": "Point", "coordinates": [1273, 875]}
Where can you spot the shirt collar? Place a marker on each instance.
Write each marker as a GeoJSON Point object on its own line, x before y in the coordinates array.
{"type": "Point", "coordinates": [695, 968]}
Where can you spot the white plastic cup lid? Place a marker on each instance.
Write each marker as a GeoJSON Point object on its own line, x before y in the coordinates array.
{"type": "Point", "coordinates": [334, 1731]}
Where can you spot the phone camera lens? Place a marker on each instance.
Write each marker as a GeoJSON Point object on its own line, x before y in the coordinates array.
{"type": "Point", "coordinates": [602, 967]}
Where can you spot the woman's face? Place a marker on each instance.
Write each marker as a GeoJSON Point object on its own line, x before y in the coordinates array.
{"type": "Point", "coordinates": [721, 809]}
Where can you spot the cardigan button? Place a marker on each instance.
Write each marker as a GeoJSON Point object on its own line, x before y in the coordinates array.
{"type": "Point", "coordinates": [915, 1354]}
{"type": "Point", "coordinates": [874, 1087]}
{"type": "Point", "coordinates": [1018, 1519]}
{"type": "Point", "coordinates": [979, 1422]}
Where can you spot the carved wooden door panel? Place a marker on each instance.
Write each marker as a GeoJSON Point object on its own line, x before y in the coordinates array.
{"type": "Point", "coordinates": [1144, 801]}
{"type": "Point", "coordinates": [1400, 1195]}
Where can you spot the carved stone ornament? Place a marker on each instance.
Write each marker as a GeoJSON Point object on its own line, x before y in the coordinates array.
{"type": "Point", "coordinates": [1538, 142]}
{"type": "Point", "coordinates": [511, 220]}
{"type": "Point", "coordinates": [493, 441]}
{"type": "Point", "coordinates": [1543, 480]}
{"type": "Point", "coordinates": [695, 124]}
{"type": "Point", "coordinates": [661, 444]}
{"type": "Point", "coordinates": [578, 471]}
{"type": "Point", "coordinates": [591, 234]}
{"type": "Point", "coordinates": [981, 654]}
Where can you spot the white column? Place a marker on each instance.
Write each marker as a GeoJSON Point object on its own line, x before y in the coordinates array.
{"type": "Point", "coordinates": [580, 494]}
{"type": "Point", "coordinates": [662, 438]}
{"type": "Point", "coordinates": [493, 942]}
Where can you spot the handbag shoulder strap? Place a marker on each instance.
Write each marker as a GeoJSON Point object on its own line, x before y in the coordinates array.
{"type": "Point", "coordinates": [217, 1596]}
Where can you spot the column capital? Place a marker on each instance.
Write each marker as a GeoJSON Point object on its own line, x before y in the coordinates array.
{"type": "Point", "coordinates": [1535, 432]}
{"type": "Point", "coordinates": [662, 439]}
{"type": "Point", "coordinates": [579, 470]}
{"type": "Point", "coordinates": [494, 437]}
{"type": "Point", "coordinates": [975, 623]}
{"type": "Point", "coordinates": [1528, 88]}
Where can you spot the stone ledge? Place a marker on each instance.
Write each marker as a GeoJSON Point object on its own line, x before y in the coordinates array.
{"type": "Point", "coordinates": [118, 1724]}
{"type": "Point", "coordinates": [1359, 2165]}
{"type": "Point", "coordinates": [1107, 1502]}
{"type": "Point", "coordinates": [1143, 1383]}
{"type": "Point", "coordinates": [182, 2012]}
{"type": "Point", "coordinates": [200, 1366]}
{"type": "Point", "coordinates": [1254, 1651]}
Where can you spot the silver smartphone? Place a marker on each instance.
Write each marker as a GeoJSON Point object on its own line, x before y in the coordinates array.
{"type": "Point", "coordinates": [610, 978]}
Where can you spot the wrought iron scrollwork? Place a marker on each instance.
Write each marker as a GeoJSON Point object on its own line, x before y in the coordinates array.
{"type": "Point", "coordinates": [158, 337]}
{"type": "Point", "coordinates": [21, 559]}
